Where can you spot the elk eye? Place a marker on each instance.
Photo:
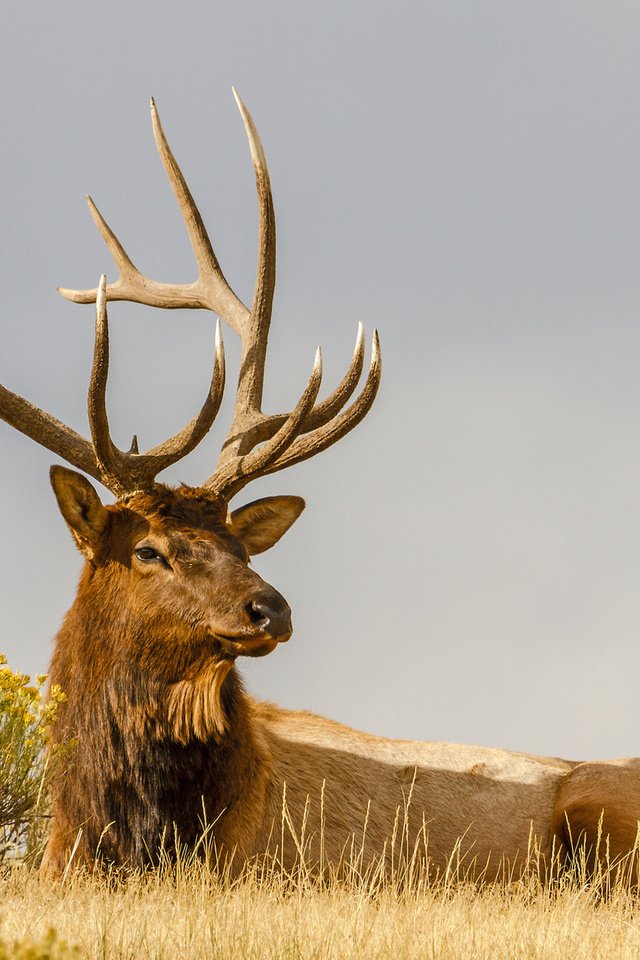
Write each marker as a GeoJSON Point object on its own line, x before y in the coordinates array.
{"type": "Point", "coordinates": [147, 554]}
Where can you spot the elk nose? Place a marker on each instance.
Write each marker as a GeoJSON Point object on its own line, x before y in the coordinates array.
{"type": "Point", "coordinates": [272, 617]}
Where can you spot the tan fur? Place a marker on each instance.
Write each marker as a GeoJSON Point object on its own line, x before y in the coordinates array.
{"type": "Point", "coordinates": [486, 813]}
{"type": "Point", "coordinates": [194, 710]}
{"type": "Point", "coordinates": [342, 790]}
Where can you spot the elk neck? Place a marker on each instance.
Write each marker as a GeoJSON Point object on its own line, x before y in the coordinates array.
{"type": "Point", "coordinates": [155, 705]}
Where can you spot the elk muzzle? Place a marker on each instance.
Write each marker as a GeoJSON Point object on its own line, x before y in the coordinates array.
{"type": "Point", "coordinates": [267, 622]}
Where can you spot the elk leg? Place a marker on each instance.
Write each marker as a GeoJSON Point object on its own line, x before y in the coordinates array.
{"type": "Point", "coordinates": [596, 819]}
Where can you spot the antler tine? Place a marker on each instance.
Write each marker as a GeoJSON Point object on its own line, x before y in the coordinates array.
{"type": "Point", "coordinates": [332, 404]}
{"type": "Point", "coordinates": [336, 400]}
{"type": "Point", "coordinates": [238, 471]}
{"type": "Point", "coordinates": [265, 426]}
{"type": "Point", "coordinates": [218, 295]}
{"type": "Point", "coordinates": [209, 291]}
{"type": "Point", "coordinates": [325, 436]}
{"type": "Point", "coordinates": [290, 440]}
{"type": "Point", "coordinates": [254, 345]}
{"type": "Point", "coordinates": [104, 449]}
{"type": "Point", "coordinates": [124, 472]}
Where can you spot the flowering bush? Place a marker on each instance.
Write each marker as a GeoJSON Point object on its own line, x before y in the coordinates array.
{"type": "Point", "coordinates": [25, 764]}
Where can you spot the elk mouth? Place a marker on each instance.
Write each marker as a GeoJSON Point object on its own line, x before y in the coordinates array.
{"type": "Point", "coordinates": [267, 623]}
{"type": "Point", "coordinates": [248, 646]}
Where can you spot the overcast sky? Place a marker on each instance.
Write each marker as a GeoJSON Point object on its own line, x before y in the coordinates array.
{"type": "Point", "coordinates": [466, 177]}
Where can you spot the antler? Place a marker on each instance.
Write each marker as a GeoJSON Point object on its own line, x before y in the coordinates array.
{"type": "Point", "coordinates": [257, 443]}
{"type": "Point", "coordinates": [122, 473]}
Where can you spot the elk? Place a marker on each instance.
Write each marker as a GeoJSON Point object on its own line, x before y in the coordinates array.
{"type": "Point", "coordinates": [167, 738]}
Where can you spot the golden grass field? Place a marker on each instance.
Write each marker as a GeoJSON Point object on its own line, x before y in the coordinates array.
{"type": "Point", "coordinates": [189, 909]}
{"type": "Point", "coordinates": [189, 913]}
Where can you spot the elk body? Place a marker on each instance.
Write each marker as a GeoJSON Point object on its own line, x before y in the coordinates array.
{"type": "Point", "coordinates": [168, 742]}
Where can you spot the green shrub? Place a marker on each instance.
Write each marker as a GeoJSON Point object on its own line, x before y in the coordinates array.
{"type": "Point", "coordinates": [25, 763]}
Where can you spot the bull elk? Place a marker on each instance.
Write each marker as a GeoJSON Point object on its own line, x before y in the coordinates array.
{"type": "Point", "coordinates": [167, 738]}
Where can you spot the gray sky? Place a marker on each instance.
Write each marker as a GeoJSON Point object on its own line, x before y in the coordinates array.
{"type": "Point", "coordinates": [466, 177]}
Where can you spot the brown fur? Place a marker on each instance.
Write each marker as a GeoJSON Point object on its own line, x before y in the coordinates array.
{"type": "Point", "coordinates": [168, 741]}
{"type": "Point", "coordinates": [597, 813]}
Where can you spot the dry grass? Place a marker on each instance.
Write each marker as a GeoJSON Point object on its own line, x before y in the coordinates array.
{"type": "Point", "coordinates": [189, 910]}
{"type": "Point", "coordinates": [190, 913]}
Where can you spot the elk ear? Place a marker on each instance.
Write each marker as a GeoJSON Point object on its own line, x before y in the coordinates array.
{"type": "Point", "coordinates": [81, 507]}
{"type": "Point", "coordinates": [261, 523]}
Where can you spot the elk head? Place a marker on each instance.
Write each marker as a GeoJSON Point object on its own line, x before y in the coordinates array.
{"type": "Point", "coordinates": [179, 558]}
{"type": "Point", "coordinates": [175, 563]}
